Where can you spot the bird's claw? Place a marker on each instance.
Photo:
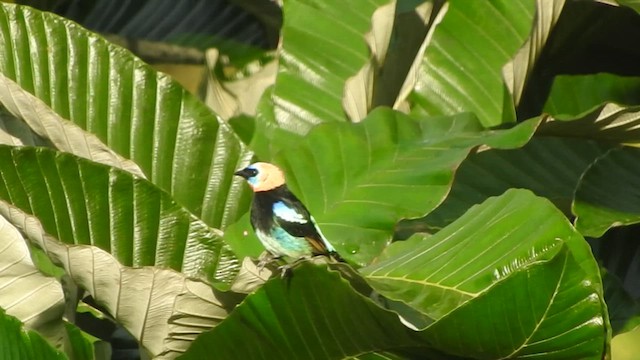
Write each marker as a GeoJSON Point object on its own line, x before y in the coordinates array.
{"type": "Point", "coordinates": [265, 259]}
{"type": "Point", "coordinates": [261, 264]}
{"type": "Point", "coordinates": [286, 269]}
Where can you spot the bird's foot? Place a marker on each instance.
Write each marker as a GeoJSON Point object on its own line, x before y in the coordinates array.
{"type": "Point", "coordinates": [265, 259]}
{"type": "Point", "coordinates": [285, 270]}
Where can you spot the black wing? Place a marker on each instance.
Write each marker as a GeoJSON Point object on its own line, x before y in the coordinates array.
{"type": "Point", "coordinates": [292, 216]}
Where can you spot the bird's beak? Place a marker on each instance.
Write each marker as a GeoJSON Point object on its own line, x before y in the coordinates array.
{"type": "Point", "coordinates": [244, 173]}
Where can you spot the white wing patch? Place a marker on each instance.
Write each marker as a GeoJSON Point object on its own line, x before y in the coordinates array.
{"type": "Point", "coordinates": [326, 242]}
{"type": "Point", "coordinates": [286, 213]}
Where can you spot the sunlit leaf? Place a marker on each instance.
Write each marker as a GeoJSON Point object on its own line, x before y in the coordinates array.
{"type": "Point", "coordinates": [180, 145]}
{"type": "Point", "coordinates": [358, 180]}
{"type": "Point", "coordinates": [524, 278]}
{"type": "Point", "coordinates": [63, 134]}
{"type": "Point", "coordinates": [27, 294]}
{"type": "Point", "coordinates": [81, 202]}
{"type": "Point", "coordinates": [462, 66]}
{"type": "Point", "coordinates": [358, 97]}
{"type": "Point", "coordinates": [163, 309]}
{"type": "Point", "coordinates": [310, 83]}
{"type": "Point", "coordinates": [517, 71]}
{"type": "Point", "coordinates": [322, 310]}
{"type": "Point", "coordinates": [573, 95]}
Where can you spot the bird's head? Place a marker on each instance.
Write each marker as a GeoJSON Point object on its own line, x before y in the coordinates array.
{"type": "Point", "coordinates": [262, 176]}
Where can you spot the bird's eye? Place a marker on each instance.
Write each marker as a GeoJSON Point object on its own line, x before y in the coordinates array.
{"type": "Point", "coordinates": [253, 172]}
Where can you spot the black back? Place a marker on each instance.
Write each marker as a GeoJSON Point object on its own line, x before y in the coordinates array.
{"type": "Point", "coordinates": [263, 218]}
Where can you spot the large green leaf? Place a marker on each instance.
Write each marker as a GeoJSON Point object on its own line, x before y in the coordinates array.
{"type": "Point", "coordinates": [81, 202]}
{"type": "Point", "coordinates": [548, 166]}
{"type": "Point", "coordinates": [311, 315]}
{"type": "Point", "coordinates": [163, 309]}
{"type": "Point", "coordinates": [462, 66]}
{"type": "Point", "coordinates": [360, 179]}
{"type": "Point", "coordinates": [16, 343]}
{"type": "Point", "coordinates": [323, 45]}
{"type": "Point", "coordinates": [180, 145]}
{"type": "Point", "coordinates": [606, 195]}
{"type": "Point", "coordinates": [61, 133]}
{"type": "Point", "coordinates": [551, 164]}
{"type": "Point", "coordinates": [547, 311]}
{"type": "Point", "coordinates": [515, 260]}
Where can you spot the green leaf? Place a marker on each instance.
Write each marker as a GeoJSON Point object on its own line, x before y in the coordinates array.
{"type": "Point", "coordinates": [358, 180]}
{"type": "Point", "coordinates": [462, 66]}
{"type": "Point", "coordinates": [610, 123]}
{"type": "Point", "coordinates": [310, 315]}
{"type": "Point", "coordinates": [378, 356]}
{"type": "Point", "coordinates": [17, 343]}
{"type": "Point", "coordinates": [163, 309]}
{"type": "Point", "coordinates": [242, 240]}
{"type": "Point", "coordinates": [585, 41]}
{"type": "Point", "coordinates": [549, 311]}
{"type": "Point", "coordinates": [551, 164]}
{"type": "Point", "coordinates": [179, 144]}
{"type": "Point", "coordinates": [634, 4]}
{"type": "Point", "coordinates": [81, 344]}
{"type": "Point", "coordinates": [574, 95]}
{"type": "Point", "coordinates": [81, 202]}
{"type": "Point", "coordinates": [548, 166]}
{"type": "Point", "coordinates": [514, 259]}
{"type": "Point", "coordinates": [323, 45]}
{"type": "Point", "coordinates": [604, 197]}
{"type": "Point", "coordinates": [63, 134]}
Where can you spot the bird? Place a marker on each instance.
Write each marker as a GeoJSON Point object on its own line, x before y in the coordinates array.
{"type": "Point", "coordinates": [280, 220]}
